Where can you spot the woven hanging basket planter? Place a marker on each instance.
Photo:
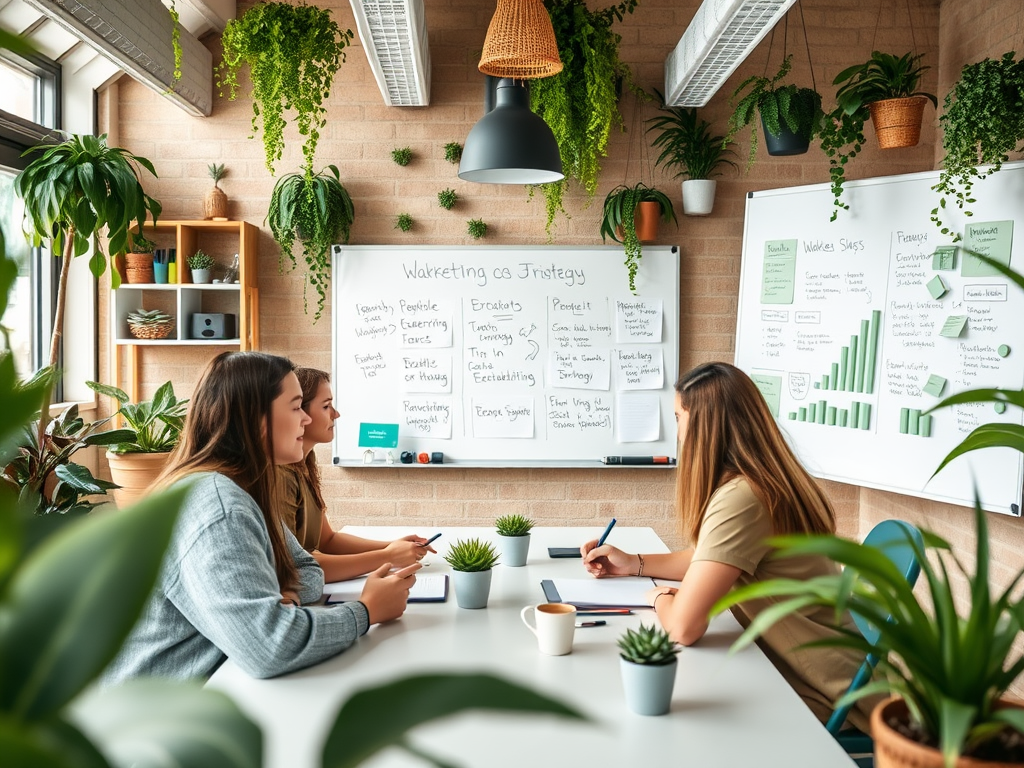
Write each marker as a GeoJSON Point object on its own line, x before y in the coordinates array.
{"type": "Point", "coordinates": [520, 42]}
{"type": "Point", "coordinates": [897, 121]}
{"type": "Point", "coordinates": [139, 267]}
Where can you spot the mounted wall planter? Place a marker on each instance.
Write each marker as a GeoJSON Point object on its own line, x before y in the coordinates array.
{"type": "Point", "coordinates": [898, 121]}
{"type": "Point", "coordinates": [698, 196]}
{"type": "Point", "coordinates": [786, 143]}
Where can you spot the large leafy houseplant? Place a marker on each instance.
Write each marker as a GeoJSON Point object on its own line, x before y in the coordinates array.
{"type": "Point", "coordinates": [580, 103]}
{"type": "Point", "coordinates": [293, 52]}
{"type": "Point", "coordinates": [982, 123]}
{"type": "Point", "coordinates": [153, 426]}
{"type": "Point", "coordinates": [318, 211]}
{"type": "Point", "coordinates": [619, 220]}
{"type": "Point", "coordinates": [687, 144]}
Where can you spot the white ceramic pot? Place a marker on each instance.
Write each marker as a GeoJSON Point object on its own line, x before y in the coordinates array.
{"type": "Point", "coordinates": [514, 550]}
{"type": "Point", "coordinates": [472, 588]}
{"type": "Point", "coordinates": [698, 196]}
{"type": "Point", "coordinates": [201, 276]}
{"type": "Point", "coordinates": [648, 688]}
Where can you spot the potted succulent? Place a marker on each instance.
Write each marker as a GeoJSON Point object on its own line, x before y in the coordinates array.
{"type": "Point", "coordinates": [215, 202]}
{"type": "Point", "coordinates": [150, 324]}
{"type": "Point", "coordinates": [472, 561]}
{"type": "Point", "coordinates": [139, 259]}
{"type": "Point", "coordinates": [790, 116]}
{"type": "Point", "coordinates": [453, 152]}
{"type": "Point", "coordinates": [404, 222]}
{"type": "Point", "coordinates": [648, 665]}
{"type": "Point", "coordinates": [631, 217]}
{"type": "Point", "coordinates": [200, 265]}
{"type": "Point", "coordinates": [514, 537]}
{"type": "Point", "coordinates": [317, 210]}
{"type": "Point", "coordinates": [447, 198]}
{"type": "Point", "coordinates": [688, 146]}
{"type": "Point", "coordinates": [476, 228]}
{"type": "Point", "coordinates": [982, 123]}
{"type": "Point", "coordinates": [155, 428]}
{"type": "Point", "coordinates": [401, 155]}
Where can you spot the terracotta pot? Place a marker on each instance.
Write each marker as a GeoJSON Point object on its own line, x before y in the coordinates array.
{"type": "Point", "coordinates": [897, 121]}
{"type": "Point", "coordinates": [139, 267]}
{"type": "Point", "coordinates": [646, 220]}
{"type": "Point", "coordinates": [215, 204]}
{"type": "Point", "coordinates": [134, 472]}
{"type": "Point", "coordinates": [893, 750]}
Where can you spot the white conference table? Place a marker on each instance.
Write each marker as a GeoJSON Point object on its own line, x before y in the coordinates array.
{"type": "Point", "coordinates": [728, 710]}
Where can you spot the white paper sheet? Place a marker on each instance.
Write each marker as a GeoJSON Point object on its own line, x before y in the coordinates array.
{"type": "Point", "coordinates": [638, 321]}
{"type": "Point", "coordinates": [637, 418]}
{"type": "Point", "coordinates": [427, 372]}
{"type": "Point", "coordinates": [639, 368]}
{"type": "Point", "coordinates": [426, 417]}
{"type": "Point", "coordinates": [502, 417]}
{"type": "Point", "coordinates": [628, 591]}
{"type": "Point", "coordinates": [428, 588]}
{"type": "Point", "coordinates": [580, 368]}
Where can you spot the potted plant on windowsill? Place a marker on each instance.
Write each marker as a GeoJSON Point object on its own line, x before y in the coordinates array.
{"type": "Point", "coordinates": [790, 116]}
{"type": "Point", "coordinates": [155, 426]}
{"type": "Point", "coordinates": [514, 536]}
{"type": "Point", "coordinates": [688, 146]}
{"type": "Point", "coordinates": [472, 561]}
{"type": "Point", "coordinates": [648, 665]}
{"type": "Point", "coordinates": [631, 216]}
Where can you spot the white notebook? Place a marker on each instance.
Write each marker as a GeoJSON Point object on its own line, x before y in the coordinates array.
{"type": "Point", "coordinates": [432, 588]}
{"type": "Point", "coordinates": [627, 591]}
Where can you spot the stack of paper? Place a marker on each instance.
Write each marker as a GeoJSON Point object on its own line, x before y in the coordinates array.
{"type": "Point", "coordinates": [432, 588]}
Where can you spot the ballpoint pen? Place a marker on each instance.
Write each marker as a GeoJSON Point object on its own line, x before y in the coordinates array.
{"type": "Point", "coordinates": [598, 623]}
{"type": "Point", "coordinates": [431, 540]}
{"type": "Point", "coordinates": [600, 541]}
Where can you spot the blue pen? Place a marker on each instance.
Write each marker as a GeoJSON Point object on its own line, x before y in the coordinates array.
{"type": "Point", "coordinates": [607, 530]}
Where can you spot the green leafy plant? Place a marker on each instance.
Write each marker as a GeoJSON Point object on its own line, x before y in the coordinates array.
{"type": "Point", "coordinates": [216, 172]}
{"type": "Point", "coordinates": [318, 211]}
{"type": "Point", "coordinates": [687, 145]}
{"type": "Point", "coordinates": [293, 52]}
{"type": "Point", "coordinates": [200, 260]}
{"type": "Point", "coordinates": [471, 555]}
{"type": "Point", "coordinates": [403, 222]}
{"type": "Point", "coordinates": [949, 669]}
{"type": "Point", "coordinates": [476, 228]}
{"type": "Point", "coordinates": [453, 152]}
{"type": "Point", "coordinates": [142, 319]}
{"type": "Point", "coordinates": [72, 191]}
{"type": "Point", "coordinates": [842, 138]}
{"type": "Point", "coordinates": [513, 525]}
{"type": "Point", "coordinates": [447, 198]}
{"type": "Point", "coordinates": [139, 243]}
{"type": "Point", "coordinates": [620, 215]}
{"type": "Point", "coordinates": [402, 156]}
{"type": "Point", "coordinates": [175, 41]}
{"type": "Point", "coordinates": [580, 103]}
{"type": "Point", "coordinates": [648, 645]}
{"type": "Point", "coordinates": [982, 122]}
{"type": "Point", "coordinates": [798, 109]}
{"type": "Point", "coordinates": [155, 425]}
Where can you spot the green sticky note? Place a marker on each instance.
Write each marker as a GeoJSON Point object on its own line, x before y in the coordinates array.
{"type": "Point", "coordinates": [771, 389]}
{"type": "Point", "coordinates": [944, 258]}
{"type": "Point", "coordinates": [991, 239]}
{"type": "Point", "coordinates": [935, 385]}
{"type": "Point", "coordinates": [378, 435]}
{"type": "Point", "coordinates": [954, 326]}
{"type": "Point", "coordinates": [936, 287]}
{"type": "Point", "coordinates": [779, 276]}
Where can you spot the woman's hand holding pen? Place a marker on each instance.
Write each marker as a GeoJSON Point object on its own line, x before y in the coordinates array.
{"type": "Point", "coordinates": [385, 594]}
{"type": "Point", "coordinates": [407, 550]}
{"type": "Point", "coordinates": [607, 560]}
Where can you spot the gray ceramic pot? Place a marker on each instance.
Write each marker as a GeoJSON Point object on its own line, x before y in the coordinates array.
{"type": "Point", "coordinates": [648, 688]}
{"type": "Point", "coordinates": [514, 550]}
{"type": "Point", "coordinates": [472, 588]}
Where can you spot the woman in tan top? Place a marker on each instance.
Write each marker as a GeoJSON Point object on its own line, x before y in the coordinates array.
{"type": "Point", "coordinates": [738, 483]}
{"type": "Point", "coordinates": [301, 506]}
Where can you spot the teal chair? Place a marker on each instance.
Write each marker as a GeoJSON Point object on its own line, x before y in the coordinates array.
{"type": "Point", "coordinates": [893, 537]}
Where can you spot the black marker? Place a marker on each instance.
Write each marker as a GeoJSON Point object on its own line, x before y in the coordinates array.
{"type": "Point", "coordinates": [638, 460]}
{"type": "Point", "coordinates": [598, 623]}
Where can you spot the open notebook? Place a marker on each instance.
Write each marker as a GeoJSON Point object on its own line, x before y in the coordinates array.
{"type": "Point", "coordinates": [625, 592]}
{"type": "Point", "coordinates": [432, 588]}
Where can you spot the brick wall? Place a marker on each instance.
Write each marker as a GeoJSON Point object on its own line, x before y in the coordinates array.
{"type": "Point", "coordinates": [359, 137]}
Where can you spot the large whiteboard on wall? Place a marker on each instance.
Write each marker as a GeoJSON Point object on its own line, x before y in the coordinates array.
{"type": "Point", "coordinates": [837, 322]}
{"type": "Point", "coordinates": [505, 356]}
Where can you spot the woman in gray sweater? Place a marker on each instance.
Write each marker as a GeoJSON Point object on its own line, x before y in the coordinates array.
{"type": "Point", "coordinates": [235, 582]}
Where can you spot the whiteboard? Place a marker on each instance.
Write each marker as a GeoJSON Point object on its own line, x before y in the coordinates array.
{"type": "Point", "coordinates": [837, 322]}
{"type": "Point", "coordinates": [505, 356]}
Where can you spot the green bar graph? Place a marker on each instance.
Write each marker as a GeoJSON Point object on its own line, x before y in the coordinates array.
{"type": "Point", "coordinates": [862, 350]}
{"type": "Point", "coordinates": [924, 426]}
{"type": "Point", "coordinates": [822, 405]}
{"type": "Point", "coordinates": [904, 420]}
{"type": "Point", "coordinates": [812, 412]}
{"type": "Point", "coordinates": [865, 415]}
{"type": "Point", "coordinates": [824, 382]}
{"type": "Point", "coordinates": [792, 415]}
{"type": "Point", "coordinates": [843, 416]}
{"type": "Point", "coordinates": [834, 376]}
{"type": "Point", "coordinates": [858, 363]}
{"type": "Point", "coordinates": [870, 360]}
{"type": "Point", "coordinates": [801, 414]}
{"type": "Point", "coordinates": [913, 421]}
{"type": "Point", "coordinates": [858, 416]}
{"type": "Point", "coordinates": [854, 414]}
{"type": "Point", "coordinates": [830, 416]}
{"type": "Point", "coordinates": [844, 357]}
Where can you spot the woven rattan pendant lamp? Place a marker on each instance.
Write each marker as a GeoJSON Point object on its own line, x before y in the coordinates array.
{"type": "Point", "coordinates": [520, 42]}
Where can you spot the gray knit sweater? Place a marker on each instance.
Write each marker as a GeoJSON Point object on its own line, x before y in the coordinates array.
{"type": "Point", "coordinates": [217, 597]}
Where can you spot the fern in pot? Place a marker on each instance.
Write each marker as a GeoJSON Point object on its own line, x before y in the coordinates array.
{"type": "Point", "coordinates": [316, 210]}
{"type": "Point", "coordinates": [630, 217]}
{"type": "Point", "coordinates": [648, 665]}
{"type": "Point", "coordinates": [472, 561]}
{"type": "Point", "coordinates": [514, 536]}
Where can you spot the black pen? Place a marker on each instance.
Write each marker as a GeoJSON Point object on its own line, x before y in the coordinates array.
{"type": "Point", "coordinates": [598, 623]}
{"type": "Point", "coordinates": [431, 540]}
{"type": "Point", "coordinates": [637, 460]}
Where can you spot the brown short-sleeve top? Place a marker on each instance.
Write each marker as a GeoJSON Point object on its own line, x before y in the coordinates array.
{"type": "Point", "coordinates": [297, 506]}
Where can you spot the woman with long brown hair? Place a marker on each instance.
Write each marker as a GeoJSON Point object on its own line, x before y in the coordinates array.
{"type": "Point", "coordinates": [738, 483]}
{"type": "Point", "coordinates": [300, 502]}
{"type": "Point", "coordinates": [235, 583]}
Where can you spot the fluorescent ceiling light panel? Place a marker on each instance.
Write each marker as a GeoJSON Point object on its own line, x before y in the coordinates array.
{"type": "Point", "coordinates": [394, 36]}
{"type": "Point", "coordinates": [720, 36]}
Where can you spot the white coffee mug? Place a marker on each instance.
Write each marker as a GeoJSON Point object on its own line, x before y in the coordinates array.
{"type": "Point", "coordinates": [554, 626]}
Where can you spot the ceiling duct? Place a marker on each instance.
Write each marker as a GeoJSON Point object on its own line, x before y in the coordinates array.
{"type": "Point", "coordinates": [394, 36]}
{"type": "Point", "coordinates": [720, 36]}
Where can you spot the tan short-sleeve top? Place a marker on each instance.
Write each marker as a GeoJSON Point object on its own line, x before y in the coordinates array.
{"type": "Point", "coordinates": [297, 506]}
{"type": "Point", "coordinates": [733, 532]}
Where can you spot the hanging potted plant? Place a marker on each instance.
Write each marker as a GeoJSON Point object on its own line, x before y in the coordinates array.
{"type": "Point", "coordinates": [631, 217]}
{"type": "Point", "coordinates": [292, 52]}
{"type": "Point", "coordinates": [790, 116]}
{"type": "Point", "coordinates": [318, 211]}
{"type": "Point", "coordinates": [688, 146]}
{"type": "Point", "coordinates": [982, 122]}
{"type": "Point", "coordinates": [472, 561]}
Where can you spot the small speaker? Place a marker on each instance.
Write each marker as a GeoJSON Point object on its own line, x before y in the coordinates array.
{"type": "Point", "coordinates": [213, 326]}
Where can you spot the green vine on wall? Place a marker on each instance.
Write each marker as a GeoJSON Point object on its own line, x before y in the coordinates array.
{"type": "Point", "coordinates": [581, 103]}
{"type": "Point", "coordinates": [292, 52]}
{"type": "Point", "coordinates": [176, 42]}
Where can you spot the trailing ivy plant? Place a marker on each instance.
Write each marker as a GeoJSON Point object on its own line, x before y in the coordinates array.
{"type": "Point", "coordinates": [293, 52]}
{"type": "Point", "coordinates": [176, 42]}
{"type": "Point", "coordinates": [982, 122]}
{"type": "Point", "coordinates": [580, 103]}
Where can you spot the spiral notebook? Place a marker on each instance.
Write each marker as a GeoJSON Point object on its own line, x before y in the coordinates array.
{"type": "Point", "coordinates": [626, 592]}
{"type": "Point", "coordinates": [432, 588]}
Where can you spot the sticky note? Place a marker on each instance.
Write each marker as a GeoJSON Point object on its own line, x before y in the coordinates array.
{"type": "Point", "coordinates": [935, 385]}
{"type": "Point", "coordinates": [944, 258]}
{"type": "Point", "coordinates": [936, 287]}
{"type": "Point", "coordinates": [378, 435]}
{"type": "Point", "coordinates": [954, 326]}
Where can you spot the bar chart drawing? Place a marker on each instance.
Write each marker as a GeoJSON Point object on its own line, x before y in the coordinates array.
{"type": "Point", "coordinates": [858, 361]}
{"type": "Point", "coordinates": [913, 422]}
{"type": "Point", "coordinates": [856, 416]}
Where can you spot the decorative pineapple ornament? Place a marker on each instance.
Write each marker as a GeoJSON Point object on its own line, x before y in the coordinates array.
{"type": "Point", "coordinates": [215, 202]}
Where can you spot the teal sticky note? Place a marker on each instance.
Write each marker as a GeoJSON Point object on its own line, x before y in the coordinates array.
{"type": "Point", "coordinates": [936, 287]}
{"type": "Point", "coordinates": [954, 326]}
{"type": "Point", "coordinates": [378, 435]}
{"type": "Point", "coordinates": [944, 258]}
{"type": "Point", "coordinates": [935, 385]}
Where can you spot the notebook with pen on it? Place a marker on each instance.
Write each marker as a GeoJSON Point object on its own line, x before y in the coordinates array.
{"type": "Point", "coordinates": [432, 588]}
{"type": "Point", "coordinates": [625, 592]}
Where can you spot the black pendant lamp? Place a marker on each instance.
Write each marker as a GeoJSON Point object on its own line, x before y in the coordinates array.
{"type": "Point", "coordinates": [511, 144]}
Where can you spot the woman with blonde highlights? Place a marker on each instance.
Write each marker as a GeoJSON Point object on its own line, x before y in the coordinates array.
{"type": "Point", "coordinates": [235, 583]}
{"type": "Point", "coordinates": [738, 483]}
